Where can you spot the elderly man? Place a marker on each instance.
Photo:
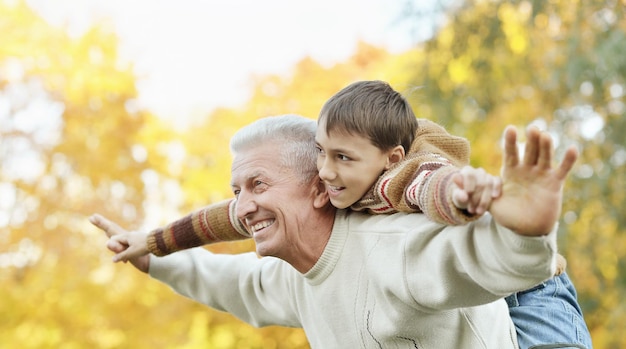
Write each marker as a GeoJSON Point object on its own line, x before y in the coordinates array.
{"type": "Point", "coordinates": [355, 280]}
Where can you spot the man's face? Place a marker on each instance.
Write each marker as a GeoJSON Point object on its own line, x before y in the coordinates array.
{"type": "Point", "coordinates": [348, 164]}
{"type": "Point", "coordinates": [271, 200]}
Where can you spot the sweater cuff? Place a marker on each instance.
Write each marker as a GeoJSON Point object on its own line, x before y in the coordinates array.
{"type": "Point", "coordinates": [533, 246]}
{"type": "Point", "coordinates": [151, 242]}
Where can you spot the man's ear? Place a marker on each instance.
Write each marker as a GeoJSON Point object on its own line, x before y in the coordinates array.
{"type": "Point", "coordinates": [395, 155]}
{"type": "Point", "coordinates": [321, 198]}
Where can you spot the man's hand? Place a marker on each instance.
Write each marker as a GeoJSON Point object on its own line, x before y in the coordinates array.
{"type": "Point", "coordinates": [532, 189]}
{"type": "Point", "coordinates": [126, 245]}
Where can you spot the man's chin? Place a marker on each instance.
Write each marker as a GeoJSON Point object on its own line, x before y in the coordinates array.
{"type": "Point", "coordinates": [261, 251]}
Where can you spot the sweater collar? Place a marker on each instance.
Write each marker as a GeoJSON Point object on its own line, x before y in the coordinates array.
{"type": "Point", "coordinates": [327, 262]}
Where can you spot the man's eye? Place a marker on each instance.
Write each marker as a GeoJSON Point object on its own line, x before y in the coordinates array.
{"type": "Point", "coordinates": [257, 183]}
{"type": "Point", "coordinates": [236, 192]}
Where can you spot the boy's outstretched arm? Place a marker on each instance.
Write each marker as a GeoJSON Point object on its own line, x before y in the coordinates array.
{"type": "Point", "coordinates": [211, 224]}
{"type": "Point", "coordinates": [532, 189]}
{"type": "Point", "coordinates": [214, 223]}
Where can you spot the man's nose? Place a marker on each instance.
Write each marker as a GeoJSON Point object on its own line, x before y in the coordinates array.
{"type": "Point", "coordinates": [245, 205]}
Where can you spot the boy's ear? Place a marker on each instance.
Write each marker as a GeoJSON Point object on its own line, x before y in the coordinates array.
{"type": "Point", "coordinates": [395, 155]}
{"type": "Point", "coordinates": [321, 198]}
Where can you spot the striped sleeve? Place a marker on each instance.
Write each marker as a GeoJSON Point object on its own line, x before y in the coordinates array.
{"type": "Point", "coordinates": [211, 224]}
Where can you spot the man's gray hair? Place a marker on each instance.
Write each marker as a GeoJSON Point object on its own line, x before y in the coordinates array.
{"type": "Point", "coordinates": [294, 136]}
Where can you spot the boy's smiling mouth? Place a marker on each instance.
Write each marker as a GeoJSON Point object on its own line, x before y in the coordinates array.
{"type": "Point", "coordinates": [334, 188]}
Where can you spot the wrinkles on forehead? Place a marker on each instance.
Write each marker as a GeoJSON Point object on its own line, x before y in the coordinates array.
{"type": "Point", "coordinates": [259, 162]}
{"type": "Point", "coordinates": [249, 164]}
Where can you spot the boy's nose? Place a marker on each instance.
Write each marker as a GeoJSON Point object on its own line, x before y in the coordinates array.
{"type": "Point", "coordinates": [326, 172]}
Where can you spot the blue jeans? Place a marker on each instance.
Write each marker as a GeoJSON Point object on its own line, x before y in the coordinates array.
{"type": "Point", "coordinates": [548, 316]}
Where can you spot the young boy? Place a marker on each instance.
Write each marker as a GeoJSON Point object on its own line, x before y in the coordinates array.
{"type": "Point", "coordinates": [364, 132]}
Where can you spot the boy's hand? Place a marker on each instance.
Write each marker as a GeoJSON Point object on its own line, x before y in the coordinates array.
{"type": "Point", "coordinates": [135, 245]}
{"type": "Point", "coordinates": [127, 246]}
{"type": "Point", "coordinates": [475, 189]}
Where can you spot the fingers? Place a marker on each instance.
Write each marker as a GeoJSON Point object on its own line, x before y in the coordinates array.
{"type": "Point", "coordinates": [118, 240]}
{"type": "Point", "coordinates": [483, 202]}
{"type": "Point", "coordinates": [497, 187]}
{"type": "Point", "coordinates": [511, 156]}
{"type": "Point", "coordinates": [538, 151]}
{"type": "Point", "coordinates": [483, 193]}
{"type": "Point", "coordinates": [106, 225]}
{"type": "Point", "coordinates": [475, 189]}
{"type": "Point", "coordinates": [120, 243]}
{"type": "Point", "coordinates": [116, 246]}
{"type": "Point", "coordinates": [121, 257]}
{"type": "Point", "coordinates": [532, 149]}
{"type": "Point", "coordinates": [546, 152]}
{"type": "Point", "coordinates": [571, 155]}
{"type": "Point", "coordinates": [459, 195]}
{"type": "Point", "coordinates": [459, 198]}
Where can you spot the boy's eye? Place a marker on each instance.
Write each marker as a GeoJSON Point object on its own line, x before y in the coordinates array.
{"type": "Point", "coordinates": [319, 149]}
{"type": "Point", "coordinates": [343, 157]}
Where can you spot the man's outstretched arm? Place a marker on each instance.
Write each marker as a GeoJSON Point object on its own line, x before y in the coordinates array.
{"type": "Point", "coordinates": [532, 188]}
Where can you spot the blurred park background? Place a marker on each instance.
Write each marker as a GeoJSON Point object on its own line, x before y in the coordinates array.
{"type": "Point", "coordinates": [74, 141]}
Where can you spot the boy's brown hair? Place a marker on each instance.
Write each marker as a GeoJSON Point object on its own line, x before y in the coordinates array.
{"type": "Point", "coordinates": [372, 109]}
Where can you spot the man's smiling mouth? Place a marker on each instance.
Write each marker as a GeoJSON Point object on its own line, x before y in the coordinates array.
{"type": "Point", "coordinates": [261, 225]}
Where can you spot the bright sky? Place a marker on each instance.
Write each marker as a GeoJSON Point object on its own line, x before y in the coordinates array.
{"type": "Point", "coordinates": [195, 55]}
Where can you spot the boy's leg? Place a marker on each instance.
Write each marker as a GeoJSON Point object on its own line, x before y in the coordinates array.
{"type": "Point", "coordinates": [548, 316]}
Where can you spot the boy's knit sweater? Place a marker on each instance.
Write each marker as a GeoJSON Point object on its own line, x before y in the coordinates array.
{"type": "Point", "coordinates": [419, 183]}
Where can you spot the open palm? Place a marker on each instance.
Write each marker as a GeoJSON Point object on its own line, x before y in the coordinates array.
{"type": "Point", "coordinates": [531, 198]}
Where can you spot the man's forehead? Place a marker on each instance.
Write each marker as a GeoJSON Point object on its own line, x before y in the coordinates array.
{"type": "Point", "coordinates": [253, 163]}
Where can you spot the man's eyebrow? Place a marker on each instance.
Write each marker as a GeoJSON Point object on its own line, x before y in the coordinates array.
{"type": "Point", "coordinates": [247, 178]}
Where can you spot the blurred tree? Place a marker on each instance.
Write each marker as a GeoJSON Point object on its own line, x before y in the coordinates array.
{"type": "Point", "coordinates": [559, 64]}
{"type": "Point", "coordinates": [72, 142]}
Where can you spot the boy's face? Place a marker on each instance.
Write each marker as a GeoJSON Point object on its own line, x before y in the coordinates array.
{"type": "Point", "coordinates": [349, 165]}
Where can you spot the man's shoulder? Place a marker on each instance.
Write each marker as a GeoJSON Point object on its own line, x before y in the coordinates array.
{"type": "Point", "coordinates": [399, 222]}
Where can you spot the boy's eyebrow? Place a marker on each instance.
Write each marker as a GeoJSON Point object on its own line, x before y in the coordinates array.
{"type": "Point", "coordinates": [339, 150]}
{"type": "Point", "coordinates": [336, 150]}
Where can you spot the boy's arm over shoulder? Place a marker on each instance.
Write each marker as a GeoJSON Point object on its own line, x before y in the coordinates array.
{"type": "Point", "coordinates": [211, 224]}
{"type": "Point", "coordinates": [423, 181]}
{"type": "Point", "coordinates": [433, 139]}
